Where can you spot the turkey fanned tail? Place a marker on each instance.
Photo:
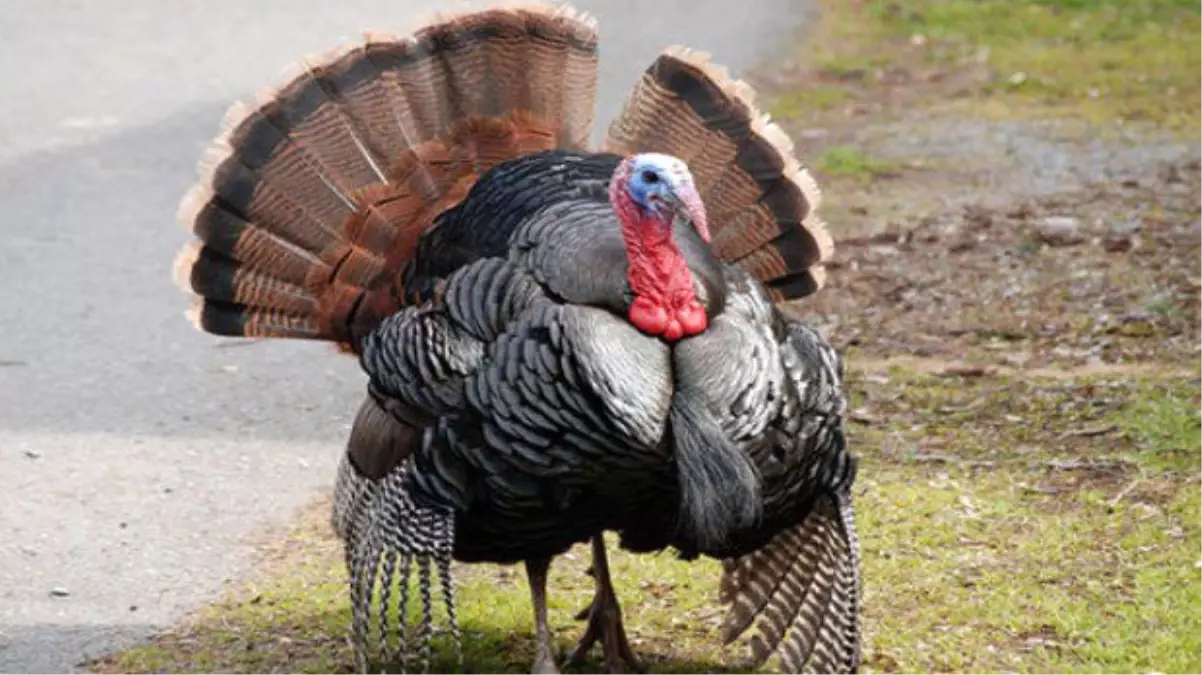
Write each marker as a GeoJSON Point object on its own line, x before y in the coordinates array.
{"type": "Point", "coordinates": [315, 195]}
{"type": "Point", "coordinates": [798, 598]}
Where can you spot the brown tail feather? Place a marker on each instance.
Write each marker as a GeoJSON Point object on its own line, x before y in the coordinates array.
{"type": "Point", "coordinates": [799, 595]}
{"type": "Point", "coordinates": [760, 202]}
{"type": "Point", "coordinates": [314, 197]}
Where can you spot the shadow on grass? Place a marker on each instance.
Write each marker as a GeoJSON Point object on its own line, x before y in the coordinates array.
{"type": "Point", "coordinates": [489, 664]}
{"type": "Point", "coordinates": [284, 648]}
{"type": "Point", "coordinates": [488, 649]}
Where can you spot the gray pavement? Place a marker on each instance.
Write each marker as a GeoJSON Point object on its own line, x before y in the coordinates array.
{"type": "Point", "coordinates": [139, 459]}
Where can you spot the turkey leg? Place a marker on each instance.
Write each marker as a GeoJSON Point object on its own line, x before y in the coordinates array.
{"type": "Point", "coordinates": [536, 573]}
{"type": "Point", "coordinates": [605, 620]}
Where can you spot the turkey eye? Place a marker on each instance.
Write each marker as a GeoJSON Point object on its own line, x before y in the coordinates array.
{"type": "Point", "coordinates": [650, 177]}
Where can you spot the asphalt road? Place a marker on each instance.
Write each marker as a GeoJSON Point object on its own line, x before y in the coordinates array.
{"type": "Point", "coordinates": [138, 458]}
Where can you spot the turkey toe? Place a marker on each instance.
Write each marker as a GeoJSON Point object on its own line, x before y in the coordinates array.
{"type": "Point", "coordinates": [605, 626]}
{"type": "Point", "coordinates": [585, 613]}
{"type": "Point", "coordinates": [605, 621]}
{"type": "Point", "coordinates": [545, 666]}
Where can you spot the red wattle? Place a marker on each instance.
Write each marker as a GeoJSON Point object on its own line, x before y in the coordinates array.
{"type": "Point", "coordinates": [673, 332]}
{"type": "Point", "coordinates": [648, 317]}
{"type": "Point", "coordinates": [692, 319]}
{"type": "Point", "coordinates": [671, 325]}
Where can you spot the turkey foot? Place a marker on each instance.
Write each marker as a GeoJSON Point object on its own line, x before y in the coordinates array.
{"type": "Point", "coordinates": [544, 659]}
{"type": "Point", "coordinates": [605, 621]}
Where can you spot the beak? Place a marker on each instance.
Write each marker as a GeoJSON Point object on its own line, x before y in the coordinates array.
{"type": "Point", "coordinates": [687, 204]}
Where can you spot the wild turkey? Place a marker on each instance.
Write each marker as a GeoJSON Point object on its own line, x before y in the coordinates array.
{"type": "Point", "coordinates": [559, 342]}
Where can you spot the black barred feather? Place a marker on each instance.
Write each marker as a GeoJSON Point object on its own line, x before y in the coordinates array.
{"type": "Point", "coordinates": [799, 595]}
{"type": "Point", "coordinates": [387, 524]}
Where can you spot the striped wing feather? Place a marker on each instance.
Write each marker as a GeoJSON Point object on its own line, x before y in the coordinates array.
{"type": "Point", "coordinates": [797, 598]}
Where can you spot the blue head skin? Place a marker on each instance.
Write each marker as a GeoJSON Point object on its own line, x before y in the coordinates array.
{"type": "Point", "coordinates": [663, 185]}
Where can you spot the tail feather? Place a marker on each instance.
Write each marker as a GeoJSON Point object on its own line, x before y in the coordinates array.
{"type": "Point", "coordinates": [314, 197]}
{"type": "Point", "coordinates": [283, 150]}
{"type": "Point", "coordinates": [369, 95]}
{"type": "Point", "coordinates": [315, 118]}
{"type": "Point", "coordinates": [287, 251]}
{"type": "Point", "coordinates": [799, 595]}
{"type": "Point", "coordinates": [219, 277]}
{"type": "Point", "coordinates": [233, 319]}
{"type": "Point", "coordinates": [759, 200]}
{"type": "Point", "coordinates": [237, 190]}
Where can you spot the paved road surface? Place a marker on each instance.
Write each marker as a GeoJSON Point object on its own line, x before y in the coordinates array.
{"type": "Point", "coordinates": [138, 457]}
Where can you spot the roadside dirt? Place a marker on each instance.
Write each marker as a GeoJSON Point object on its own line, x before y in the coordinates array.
{"type": "Point", "coordinates": [1102, 275]}
{"type": "Point", "coordinates": [1011, 243]}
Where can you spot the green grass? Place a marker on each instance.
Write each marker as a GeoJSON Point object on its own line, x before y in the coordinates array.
{"type": "Point", "coordinates": [1005, 535]}
{"type": "Point", "coordinates": [1098, 60]}
{"type": "Point", "coordinates": [1025, 525]}
{"type": "Point", "coordinates": [1165, 431]}
{"type": "Point", "coordinates": [847, 161]}
{"type": "Point", "coordinates": [793, 104]}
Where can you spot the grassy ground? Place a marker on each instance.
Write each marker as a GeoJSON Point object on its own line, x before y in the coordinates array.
{"type": "Point", "coordinates": [1105, 60]}
{"type": "Point", "coordinates": [1027, 411]}
{"type": "Point", "coordinates": [1007, 523]}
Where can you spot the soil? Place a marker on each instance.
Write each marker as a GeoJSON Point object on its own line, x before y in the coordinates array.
{"type": "Point", "coordinates": [1008, 243]}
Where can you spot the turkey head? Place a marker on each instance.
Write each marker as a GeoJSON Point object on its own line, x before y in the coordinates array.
{"type": "Point", "coordinates": [649, 192]}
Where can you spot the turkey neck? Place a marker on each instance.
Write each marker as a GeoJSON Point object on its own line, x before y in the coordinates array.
{"type": "Point", "coordinates": [665, 302]}
{"type": "Point", "coordinates": [658, 270]}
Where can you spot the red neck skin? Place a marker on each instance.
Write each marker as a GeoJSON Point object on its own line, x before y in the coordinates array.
{"type": "Point", "coordinates": [665, 303]}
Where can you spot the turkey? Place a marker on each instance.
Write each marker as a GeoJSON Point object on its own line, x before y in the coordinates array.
{"type": "Point", "coordinates": [559, 342]}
